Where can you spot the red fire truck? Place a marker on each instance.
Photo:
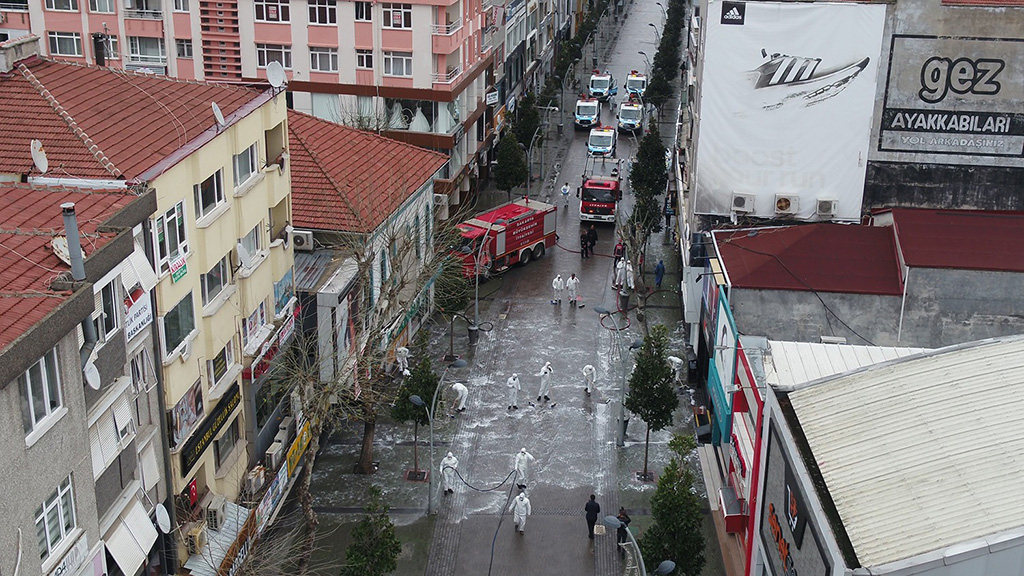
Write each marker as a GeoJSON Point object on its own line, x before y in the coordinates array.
{"type": "Point", "coordinates": [600, 191]}
{"type": "Point", "coordinates": [516, 232]}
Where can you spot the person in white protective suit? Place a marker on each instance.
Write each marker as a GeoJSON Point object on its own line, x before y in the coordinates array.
{"type": "Point", "coordinates": [677, 366]}
{"type": "Point", "coordinates": [545, 381]}
{"type": "Point", "coordinates": [620, 273]}
{"type": "Point", "coordinates": [513, 391]}
{"type": "Point", "coordinates": [521, 464]}
{"type": "Point", "coordinates": [402, 358]}
{"type": "Point", "coordinates": [520, 508]}
{"type": "Point", "coordinates": [572, 285]}
{"type": "Point", "coordinates": [557, 285]}
{"type": "Point", "coordinates": [589, 375]}
{"type": "Point", "coordinates": [459, 405]}
{"type": "Point", "coordinates": [448, 465]}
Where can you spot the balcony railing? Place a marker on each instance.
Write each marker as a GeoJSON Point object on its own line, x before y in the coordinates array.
{"type": "Point", "coordinates": [144, 14]}
{"type": "Point", "coordinates": [449, 77]}
{"type": "Point", "coordinates": [14, 6]}
{"type": "Point", "coordinates": [446, 30]}
{"type": "Point", "coordinates": [147, 59]}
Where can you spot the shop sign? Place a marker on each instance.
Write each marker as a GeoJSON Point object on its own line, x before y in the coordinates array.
{"type": "Point", "coordinates": [271, 498]}
{"type": "Point", "coordinates": [178, 268]}
{"type": "Point", "coordinates": [138, 315]}
{"type": "Point", "coordinates": [185, 414]}
{"type": "Point", "coordinates": [298, 448]}
{"type": "Point", "coordinates": [208, 430]}
{"type": "Point", "coordinates": [261, 364]}
{"type": "Point", "coordinates": [492, 98]}
{"type": "Point", "coordinates": [73, 559]}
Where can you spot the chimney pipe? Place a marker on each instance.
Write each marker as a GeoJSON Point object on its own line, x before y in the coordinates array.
{"type": "Point", "coordinates": [99, 47]}
{"type": "Point", "coordinates": [78, 271]}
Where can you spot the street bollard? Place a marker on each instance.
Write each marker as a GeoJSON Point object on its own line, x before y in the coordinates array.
{"type": "Point", "coordinates": [560, 126]}
{"type": "Point", "coordinates": [623, 300]}
{"type": "Point", "coordinates": [474, 334]}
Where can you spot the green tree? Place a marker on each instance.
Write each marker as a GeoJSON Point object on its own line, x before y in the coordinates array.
{"type": "Point", "coordinates": [511, 170]}
{"type": "Point", "coordinates": [649, 175]}
{"type": "Point", "coordinates": [375, 547]}
{"type": "Point", "coordinates": [659, 90]}
{"type": "Point", "coordinates": [422, 382]}
{"type": "Point", "coordinates": [677, 533]}
{"type": "Point", "coordinates": [527, 119]}
{"type": "Point", "coordinates": [651, 394]}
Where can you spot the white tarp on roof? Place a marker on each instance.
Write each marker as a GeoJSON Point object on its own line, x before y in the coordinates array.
{"type": "Point", "coordinates": [922, 454]}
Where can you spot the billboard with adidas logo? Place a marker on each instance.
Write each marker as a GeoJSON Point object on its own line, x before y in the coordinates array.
{"type": "Point", "coordinates": [785, 104]}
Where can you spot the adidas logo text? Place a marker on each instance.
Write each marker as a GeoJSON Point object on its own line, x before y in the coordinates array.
{"type": "Point", "coordinates": [733, 14]}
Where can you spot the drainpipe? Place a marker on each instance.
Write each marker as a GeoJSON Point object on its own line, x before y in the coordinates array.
{"type": "Point", "coordinates": [169, 548]}
{"type": "Point", "coordinates": [903, 304]}
{"type": "Point", "coordinates": [78, 272]}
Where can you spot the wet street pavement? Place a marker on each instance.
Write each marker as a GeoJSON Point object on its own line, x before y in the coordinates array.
{"type": "Point", "coordinates": [572, 437]}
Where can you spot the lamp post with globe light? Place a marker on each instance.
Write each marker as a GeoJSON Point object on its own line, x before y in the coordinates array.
{"type": "Point", "coordinates": [415, 399]}
{"type": "Point", "coordinates": [665, 567]}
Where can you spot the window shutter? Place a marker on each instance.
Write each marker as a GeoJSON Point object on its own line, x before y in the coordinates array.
{"type": "Point", "coordinates": [123, 416]}
{"type": "Point", "coordinates": [97, 453]}
{"type": "Point", "coordinates": [150, 471]}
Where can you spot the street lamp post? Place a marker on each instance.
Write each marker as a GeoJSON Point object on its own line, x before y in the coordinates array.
{"type": "Point", "coordinates": [665, 567]}
{"type": "Point", "coordinates": [620, 436]}
{"type": "Point", "coordinates": [570, 72]}
{"type": "Point", "coordinates": [663, 11]}
{"type": "Point", "coordinates": [647, 62]}
{"type": "Point", "coordinates": [415, 399]}
{"type": "Point", "coordinates": [657, 35]}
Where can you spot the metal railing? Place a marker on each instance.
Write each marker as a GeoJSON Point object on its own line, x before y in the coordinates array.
{"type": "Point", "coordinates": [446, 29]}
{"type": "Point", "coordinates": [448, 77]}
{"type": "Point", "coordinates": [15, 6]}
{"type": "Point", "coordinates": [144, 14]}
{"type": "Point", "coordinates": [146, 59]}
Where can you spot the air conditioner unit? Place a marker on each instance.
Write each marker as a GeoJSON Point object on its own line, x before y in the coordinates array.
{"type": "Point", "coordinates": [282, 437]}
{"type": "Point", "coordinates": [303, 240]}
{"type": "Point", "coordinates": [215, 512]}
{"type": "Point", "coordinates": [441, 206]}
{"type": "Point", "coordinates": [786, 204]}
{"type": "Point", "coordinates": [254, 481]}
{"type": "Point", "coordinates": [272, 459]}
{"type": "Point", "coordinates": [196, 540]}
{"type": "Point", "coordinates": [826, 207]}
{"type": "Point", "coordinates": [287, 424]}
{"type": "Point", "coordinates": [833, 340]}
{"type": "Point", "coordinates": [742, 202]}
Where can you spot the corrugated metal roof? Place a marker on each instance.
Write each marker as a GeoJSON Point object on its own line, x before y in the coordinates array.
{"type": "Point", "coordinates": [922, 453]}
{"type": "Point", "coordinates": [218, 541]}
{"type": "Point", "coordinates": [793, 363]}
{"type": "Point", "coordinates": [310, 268]}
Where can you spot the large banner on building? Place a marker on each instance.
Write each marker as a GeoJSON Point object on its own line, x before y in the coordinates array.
{"type": "Point", "coordinates": [954, 96]}
{"type": "Point", "coordinates": [787, 98]}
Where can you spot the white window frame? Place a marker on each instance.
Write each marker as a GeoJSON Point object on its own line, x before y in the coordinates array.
{"type": "Point", "coordinates": [164, 251]}
{"type": "Point", "coordinates": [246, 164]}
{"type": "Point", "coordinates": [108, 322]}
{"type": "Point", "coordinates": [213, 185]}
{"type": "Point", "coordinates": [46, 369]}
{"type": "Point", "coordinates": [183, 48]}
{"type": "Point", "coordinates": [323, 9]}
{"type": "Point", "coordinates": [228, 351]}
{"type": "Point", "coordinates": [72, 5]}
{"type": "Point", "coordinates": [113, 48]}
{"type": "Point", "coordinates": [254, 324]}
{"type": "Point", "coordinates": [59, 507]}
{"type": "Point", "coordinates": [364, 59]}
{"type": "Point", "coordinates": [102, 6]}
{"type": "Point", "coordinates": [181, 6]}
{"type": "Point", "coordinates": [168, 351]}
{"type": "Point", "coordinates": [319, 55]}
{"type": "Point", "coordinates": [403, 11]}
{"type": "Point", "coordinates": [221, 452]}
{"type": "Point", "coordinates": [55, 39]}
{"type": "Point", "coordinates": [363, 11]}
{"type": "Point", "coordinates": [402, 58]}
{"type": "Point", "coordinates": [253, 241]}
{"type": "Point", "coordinates": [262, 10]}
{"type": "Point", "coordinates": [210, 291]}
{"type": "Point", "coordinates": [267, 53]}
{"type": "Point", "coordinates": [136, 54]}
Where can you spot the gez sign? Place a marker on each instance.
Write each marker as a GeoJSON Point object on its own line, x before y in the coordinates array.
{"type": "Point", "coordinates": [961, 96]}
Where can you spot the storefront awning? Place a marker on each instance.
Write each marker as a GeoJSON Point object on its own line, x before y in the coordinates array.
{"type": "Point", "coordinates": [132, 538]}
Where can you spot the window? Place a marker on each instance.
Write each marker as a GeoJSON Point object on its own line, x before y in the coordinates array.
{"type": "Point", "coordinates": [323, 11]}
{"type": "Point", "coordinates": [245, 165]}
{"type": "Point", "coordinates": [145, 50]}
{"type": "Point", "coordinates": [416, 236]}
{"type": "Point", "coordinates": [208, 194]}
{"type": "Point", "coordinates": [105, 318]}
{"type": "Point", "coordinates": [252, 242]}
{"type": "Point", "coordinates": [171, 238]}
{"type": "Point", "coordinates": [183, 46]}
{"type": "Point", "coordinates": [113, 48]}
{"type": "Point", "coordinates": [364, 59]}
{"type": "Point", "coordinates": [181, 5]}
{"type": "Point", "coordinates": [272, 11]}
{"type": "Point", "coordinates": [68, 5]}
{"type": "Point", "coordinates": [364, 11]}
{"type": "Point", "coordinates": [214, 281]}
{"type": "Point", "coordinates": [65, 43]}
{"type": "Point", "coordinates": [397, 15]}
{"type": "Point", "coordinates": [269, 396]}
{"type": "Point", "coordinates": [383, 266]}
{"type": "Point", "coordinates": [103, 6]}
{"type": "Point", "coordinates": [223, 445]}
{"type": "Point", "coordinates": [55, 518]}
{"type": "Point", "coordinates": [398, 63]}
{"type": "Point", "coordinates": [267, 53]}
{"type": "Point", "coordinates": [40, 391]}
{"type": "Point", "coordinates": [178, 324]}
{"type": "Point", "coordinates": [253, 323]}
{"type": "Point", "coordinates": [218, 367]}
{"type": "Point", "coordinates": [323, 59]}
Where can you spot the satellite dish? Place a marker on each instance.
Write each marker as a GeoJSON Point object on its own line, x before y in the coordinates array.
{"type": "Point", "coordinates": [39, 157]}
{"type": "Point", "coordinates": [244, 257]}
{"type": "Point", "coordinates": [218, 114]}
{"type": "Point", "coordinates": [163, 519]}
{"type": "Point", "coordinates": [92, 376]}
{"type": "Point", "coordinates": [276, 75]}
{"type": "Point", "coordinates": [60, 248]}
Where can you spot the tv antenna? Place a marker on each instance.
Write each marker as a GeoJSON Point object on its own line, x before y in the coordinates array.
{"type": "Point", "coordinates": [39, 156]}
{"type": "Point", "coordinates": [218, 115]}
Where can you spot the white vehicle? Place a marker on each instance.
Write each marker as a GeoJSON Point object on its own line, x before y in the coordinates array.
{"type": "Point", "coordinates": [636, 83]}
{"type": "Point", "coordinates": [602, 86]}
{"type": "Point", "coordinates": [588, 113]}
{"type": "Point", "coordinates": [630, 116]}
{"type": "Point", "coordinates": [602, 142]}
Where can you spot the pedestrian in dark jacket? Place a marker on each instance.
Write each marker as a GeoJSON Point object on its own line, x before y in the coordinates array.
{"type": "Point", "coordinates": [592, 509]}
{"type": "Point", "coordinates": [591, 240]}
{"type": "Point", "coordinates": [584, 243]}
{"type": "Point", "coordinates": [623, 531]}
{"type": "Point", "coordinates": [659, 273]}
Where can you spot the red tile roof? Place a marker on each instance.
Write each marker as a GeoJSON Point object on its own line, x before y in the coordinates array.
{"type": "Point", "coordinates": [349, 180]}
{"type": "Point", "coordinates": [30, 217]}
{"type": "Point", "coordinates": [83, 114]}
{"type": "Point", "coordinates": [960, 239]}
{"type": "Point", "coordinates": [819, 257]}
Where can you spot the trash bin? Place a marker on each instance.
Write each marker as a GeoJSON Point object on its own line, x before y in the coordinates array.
{"type": "Point", "coordinates": [560, 128]}
{"type": "Point", "coordinates": [623, 299]}
{"type": "Point", "coordinates": [474, 334]}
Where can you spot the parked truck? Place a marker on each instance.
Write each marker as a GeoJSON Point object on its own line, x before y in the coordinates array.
{"type": "Point", "coordinates": [600, 190]}
{"type": "Point", "coordinates": [515, 232]}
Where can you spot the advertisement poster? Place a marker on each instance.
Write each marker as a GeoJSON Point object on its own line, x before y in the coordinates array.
{"type": "Point", "coordinates": [954, 96]}
{"type": "Point", "coordinates": [186, 413]}
{"type": "Point", "coordinates": [787, 97]}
